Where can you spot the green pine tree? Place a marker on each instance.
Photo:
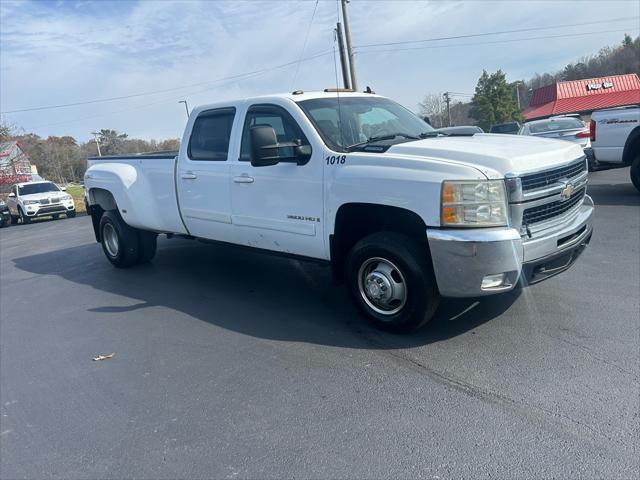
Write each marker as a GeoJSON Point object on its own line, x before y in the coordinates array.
{"type": "Point", "coordinates": [494, 100]}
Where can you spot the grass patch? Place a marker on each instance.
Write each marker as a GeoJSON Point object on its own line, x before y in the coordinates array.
{"type": "Point", "coordinates": [77, 192]}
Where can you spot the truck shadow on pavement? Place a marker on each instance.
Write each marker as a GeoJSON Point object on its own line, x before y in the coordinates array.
{"type": "Point", "coordinates": [250, 293]}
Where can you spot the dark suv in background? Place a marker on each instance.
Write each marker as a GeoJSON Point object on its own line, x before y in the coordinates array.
{"type": "Point", "coordinates": [511, 128]}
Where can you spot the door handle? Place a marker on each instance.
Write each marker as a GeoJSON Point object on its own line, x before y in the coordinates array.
{"type": "Point", "coordinates": [188, 175]}
{"type": "Point", "coordinates": [244, 178]}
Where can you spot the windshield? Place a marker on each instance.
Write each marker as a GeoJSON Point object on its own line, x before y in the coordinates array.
{"type": "Point", "coordinates": [31, 188]}
{"type": "Point", "coordinates": [556, 124]}
{"type": "Point", "coordinates": [353, 120]}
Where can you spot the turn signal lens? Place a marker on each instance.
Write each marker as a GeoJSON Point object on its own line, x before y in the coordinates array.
{"type": "Point", "coordinates": [449, 215]}
{"type": "Point", "coordinates": [448, 193]}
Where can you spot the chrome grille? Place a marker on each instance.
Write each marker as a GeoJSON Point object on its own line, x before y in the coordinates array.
{"type": "Point", "coordinates": [44, 201]}
{"type": "Point", "coordinates": [550, 210]}
{"type": "Point", "coordinates": [544, 179]}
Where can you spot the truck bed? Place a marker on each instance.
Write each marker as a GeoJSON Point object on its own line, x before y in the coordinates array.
{"type": "Point", "coordinates": [144, 185]}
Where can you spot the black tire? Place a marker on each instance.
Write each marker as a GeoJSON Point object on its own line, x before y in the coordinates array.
{"type": "Point", "coordinates": [5, 223]}
{"type": "Point", "coordinates": [408, 270]}
{"type": "Point", "coordinates": [147, 245]}
{"type": "Point", "coordinates": [71, 213]}
{"type": "Point", "coordinates": [24, 219]}
{"type": "Point", "coordinates": [55, 216]}
{"type": "Point", "coordinates": [126, 250]}
{"type": "Point", "coordinates": [634, 172]}
{"type": "Point", "coordinates": [14, 220]}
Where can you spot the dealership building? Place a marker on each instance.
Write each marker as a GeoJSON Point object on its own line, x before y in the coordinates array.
{"type": "Point", "coordinates": [583, 96]}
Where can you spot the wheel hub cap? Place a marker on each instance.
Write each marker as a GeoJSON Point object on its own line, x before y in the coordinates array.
{"type": "Point", "coordinates": [378, 287]}
{"type": "Point", "coordinates": [110, 239]}
{"type": "Point", "coordinates": [382, 286]}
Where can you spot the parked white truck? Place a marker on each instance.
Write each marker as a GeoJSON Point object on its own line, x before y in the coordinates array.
{"type": "Point", "coordinates": [402, 213]}
{"type": "Point", "coordinates": [615, 139]}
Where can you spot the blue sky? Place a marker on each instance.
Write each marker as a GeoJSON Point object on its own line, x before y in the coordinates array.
{"type": "Point", "coordinates": [64, 52]}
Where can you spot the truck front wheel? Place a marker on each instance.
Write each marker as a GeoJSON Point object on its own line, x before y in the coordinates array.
{"type": "Point", "coordinates": [119, 241]}
{"type": "Point", "coordinates": [634, 173]}
{"type": "Point", "coordinates": [391, 280]}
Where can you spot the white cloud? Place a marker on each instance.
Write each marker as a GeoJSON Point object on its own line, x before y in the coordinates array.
{"type": "Point", "coordinates": [54, 54]}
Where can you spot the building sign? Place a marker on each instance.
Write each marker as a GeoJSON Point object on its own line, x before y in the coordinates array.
{"type": "Point", "coordinates": [598, 86]}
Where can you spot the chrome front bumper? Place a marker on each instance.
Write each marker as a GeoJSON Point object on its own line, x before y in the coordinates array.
{"type": "Point", "coordinates": [463, 258]}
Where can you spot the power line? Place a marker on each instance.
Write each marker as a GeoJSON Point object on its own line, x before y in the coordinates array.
{"type": "Point", "coordinates": [491, 43]}
{"type": "Point", "coordinates": [520, 30]}
{"type": "Point", "coordinates": [155, 92]}
{"type": "Point", "coordinates": [304, 45]}
{"type": "Point", "coordinates": [173, 97]}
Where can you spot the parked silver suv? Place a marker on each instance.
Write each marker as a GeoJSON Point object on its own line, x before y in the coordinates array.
{"type": "Point", "coordinates": [38, 199]}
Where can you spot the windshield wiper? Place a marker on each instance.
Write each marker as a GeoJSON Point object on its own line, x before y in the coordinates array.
{"type": "Point", "coordinates": [379, 138]}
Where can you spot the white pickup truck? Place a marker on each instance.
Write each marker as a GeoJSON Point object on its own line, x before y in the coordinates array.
{"type": "Point", "coordinates": [615, 139]}
{"type": "Point", "coordinates": [403, 213]}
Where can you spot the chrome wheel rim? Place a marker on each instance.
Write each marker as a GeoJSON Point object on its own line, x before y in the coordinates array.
{"type": "Point", "coordinates": [382, 286]}
{"type": "Point", "coordinates": [110, 240]}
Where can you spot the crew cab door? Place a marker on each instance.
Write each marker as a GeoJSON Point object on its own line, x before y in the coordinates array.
{"type": "Point", "coordinates": [202, 175]}
{"type": "Point", "coordinates": [279, 207]}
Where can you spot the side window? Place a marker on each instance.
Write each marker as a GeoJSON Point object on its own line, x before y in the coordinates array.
{"type": "Point", "coordinates": [287, 130]}
{"type": "Point", "coordinates": [210, 135]}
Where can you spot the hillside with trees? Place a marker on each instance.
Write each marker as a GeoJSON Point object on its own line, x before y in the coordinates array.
{"type": "Point", "coordinates": [489, 107]}
{"type": "Point", "coordinates": [63, 159]}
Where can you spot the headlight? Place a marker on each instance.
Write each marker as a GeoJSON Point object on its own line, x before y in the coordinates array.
{"type": "Point", "coordinates": [473, 203]}
{"type": "Point", "coordinates": [30, 202]}
{"type": "Point", "coordinates": [66, 197]}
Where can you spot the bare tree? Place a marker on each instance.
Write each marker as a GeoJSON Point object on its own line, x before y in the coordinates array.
{"type": "Point", "coordinates": [434, 107]}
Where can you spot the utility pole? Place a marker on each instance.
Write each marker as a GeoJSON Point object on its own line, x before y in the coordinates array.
{"type": "Point", "coordinates": [517, 85]}
{"type": "Point", "coordinates": [347, 34]}
{"type": "Point", "coordinates": [185, 106]}
{"type": "Point", "coordinates": [95, 136]}
{"type": "Point", "coordinates": [447, 99]}
{"type": "Point", "coordinates": [343, 59]}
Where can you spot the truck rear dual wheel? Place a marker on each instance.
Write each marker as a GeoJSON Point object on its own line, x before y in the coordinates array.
{"type": "Point", "coordinates": [634, 173]}
{"type": "Point", "coordinates": [123, 245]}
{"type": "Point", "coordinates": [391, 280]}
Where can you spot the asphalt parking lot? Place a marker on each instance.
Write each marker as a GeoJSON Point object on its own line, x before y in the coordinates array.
{"type": "Point", "coordinates": [231, 364]}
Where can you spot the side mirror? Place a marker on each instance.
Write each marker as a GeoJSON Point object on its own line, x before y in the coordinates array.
{"type": "Point", "coordinates": [263, 146]}
{"type": "Point", "coordinates": [64, 189]}
{"type": "Point", "coordinates": [265, 150]}
{"type": "Point", "coordinates": [12, 195]}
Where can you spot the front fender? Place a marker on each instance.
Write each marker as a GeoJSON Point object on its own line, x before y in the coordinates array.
{"type": "Point", "coordinates": [409, 183]}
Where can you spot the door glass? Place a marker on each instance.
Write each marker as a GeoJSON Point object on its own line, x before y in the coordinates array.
{"type": "Point", "coordinates": [211, 134]}
{"type": "Point", "coordinates": [287, 130]}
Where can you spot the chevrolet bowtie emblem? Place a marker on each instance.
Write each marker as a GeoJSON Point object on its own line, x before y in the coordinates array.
{"type": "Point", "coordinates": [567, 191]}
